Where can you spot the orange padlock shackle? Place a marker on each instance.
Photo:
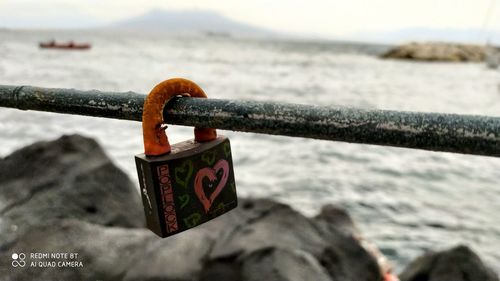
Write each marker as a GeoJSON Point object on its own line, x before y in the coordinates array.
{"type": "Point", "coordinates": [155, 139]}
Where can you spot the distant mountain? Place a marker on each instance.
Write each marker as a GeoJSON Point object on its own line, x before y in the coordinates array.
{"type": "Point", "coordinates": [191, 21]}
{"type": "Point", "coordinates": [472, 35]}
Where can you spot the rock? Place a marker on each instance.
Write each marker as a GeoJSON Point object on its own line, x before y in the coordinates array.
{"type": "Point", "coordinates": [274, 264]}
{"type": "Point", "coordinates": [279, 228]}
{"type": "Point", "coordinates": [179, 257]}
{"type": "Point", "coordinates": [66, 196]}
{"type": "Point", "coordinates": [105, 252]}
{"type": "Point", "coordinates": [67, 178]}
{"type": "Point", "coordinates": [110, 253]}
{"type": "Point", "coordinates": [439, 51]}
{"type": "Point", "coordinates": [457, 264]}
{"type": "Point", "coordinates": [348, 248]}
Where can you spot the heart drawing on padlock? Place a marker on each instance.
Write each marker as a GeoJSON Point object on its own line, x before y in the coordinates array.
{"type": "Point", "coordinates": [211, 174]}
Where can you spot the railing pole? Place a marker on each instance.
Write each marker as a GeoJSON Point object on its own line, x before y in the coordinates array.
{"type": "Point", "coordinates": [469, 134]}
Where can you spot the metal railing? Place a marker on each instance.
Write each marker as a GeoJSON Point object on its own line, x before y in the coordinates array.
{"type": "Point", "coordinates": [469, 134]}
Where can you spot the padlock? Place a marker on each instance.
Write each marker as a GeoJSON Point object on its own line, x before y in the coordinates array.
{"type": "Point", "coordinates": [188, 183]}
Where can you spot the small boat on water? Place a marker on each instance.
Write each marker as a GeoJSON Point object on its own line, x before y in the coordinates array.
{"type": "Point", "coordinates": [64, 46]}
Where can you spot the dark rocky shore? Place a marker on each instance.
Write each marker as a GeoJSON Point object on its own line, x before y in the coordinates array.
{"type": "Point", "coordinates": [440, 51]}
{"type": "Point", "coordinates": [66, 196]}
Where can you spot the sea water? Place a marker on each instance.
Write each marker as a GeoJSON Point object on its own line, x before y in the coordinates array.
{"type": "Point", "coordinates": [405, 201]}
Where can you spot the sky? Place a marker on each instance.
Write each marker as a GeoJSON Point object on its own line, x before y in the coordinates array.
{"type": "Point", "coordinates": [326, 18]}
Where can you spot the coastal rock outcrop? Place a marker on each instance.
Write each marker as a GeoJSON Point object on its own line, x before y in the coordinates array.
{"type": "Point", "coordinates": [66, 197]}
{"type": "Point", "coordinates": [439, 51]}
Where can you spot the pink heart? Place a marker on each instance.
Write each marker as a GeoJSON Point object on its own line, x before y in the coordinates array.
{"type": "Point", "coordinates": [211, 174]}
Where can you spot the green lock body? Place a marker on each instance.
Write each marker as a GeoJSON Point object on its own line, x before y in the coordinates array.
{"type": "Point", "coordinates": [187, 187]}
